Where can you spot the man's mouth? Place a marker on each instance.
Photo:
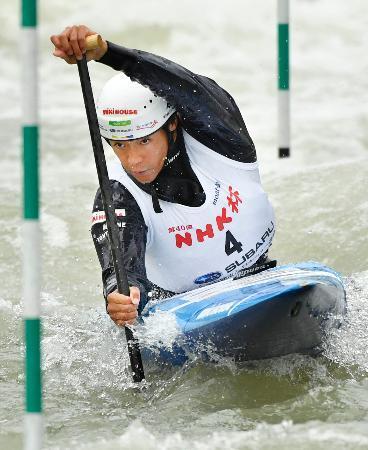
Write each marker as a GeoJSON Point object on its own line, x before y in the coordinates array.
{"type": "Point", "coordinates": [140, 172]}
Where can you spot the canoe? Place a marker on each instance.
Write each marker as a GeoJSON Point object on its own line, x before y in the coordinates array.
{"type": "Point", "coordinates": [279, 311]}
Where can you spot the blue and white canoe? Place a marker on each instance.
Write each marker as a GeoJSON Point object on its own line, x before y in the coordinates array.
{"type": "Point", "coordinates": [283, 310]}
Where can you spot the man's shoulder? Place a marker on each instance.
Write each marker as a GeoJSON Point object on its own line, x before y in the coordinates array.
{"type": "Point", "coordinates": [120, 195]}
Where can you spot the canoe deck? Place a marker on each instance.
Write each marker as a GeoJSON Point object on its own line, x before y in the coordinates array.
{"type": "Point", "coordinates": [280, 311]}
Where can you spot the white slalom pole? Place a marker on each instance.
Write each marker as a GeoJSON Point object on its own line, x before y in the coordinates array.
{"type": "Point", "coordinates": [283, 79]}
{"type": "Point", "coordinates": [33, 429]}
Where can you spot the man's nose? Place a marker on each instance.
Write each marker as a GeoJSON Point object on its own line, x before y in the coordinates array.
{"type": "Point", "coordinates": [136, 157]}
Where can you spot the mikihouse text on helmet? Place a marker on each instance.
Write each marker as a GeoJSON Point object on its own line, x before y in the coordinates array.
{"type": "Point", "coordinates": [127, 110]}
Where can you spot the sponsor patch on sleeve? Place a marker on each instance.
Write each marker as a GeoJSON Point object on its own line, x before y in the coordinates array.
{"type": "Point", "coordinates": [100, 216]}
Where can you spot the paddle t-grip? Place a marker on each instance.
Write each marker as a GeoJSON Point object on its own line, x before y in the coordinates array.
{"type": "Point", "coordinates": [94, 41]}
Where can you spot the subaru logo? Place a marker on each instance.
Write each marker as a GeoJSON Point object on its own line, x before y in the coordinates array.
{"type": "Point", "coordinates": [208, 278]}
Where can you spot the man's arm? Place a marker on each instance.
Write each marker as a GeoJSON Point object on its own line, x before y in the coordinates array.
{"type": "Point", "coordinates": [133, 236]}
{"type": "Point", "coordinates": [207, 111]}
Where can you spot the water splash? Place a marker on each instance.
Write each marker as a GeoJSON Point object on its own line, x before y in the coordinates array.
{"type": "Point", "coordinates": [347, 345]}
{"type": "Point", "coordinates": [158, 330]}
{"type": "Point", "coordinates": [84, 351]}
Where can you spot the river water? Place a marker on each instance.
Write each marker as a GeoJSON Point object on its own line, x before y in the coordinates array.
{"type": "Point", "coordinates": [320, 197]}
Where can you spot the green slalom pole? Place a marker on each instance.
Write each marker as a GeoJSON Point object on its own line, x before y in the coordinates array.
{"type": "Point", "coordinates": [283, 79]}
{"type": "Point", "coordinates": [33, 429]}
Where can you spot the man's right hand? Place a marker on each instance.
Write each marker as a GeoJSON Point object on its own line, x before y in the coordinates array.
{"type": "Point", "coordinates": [70, 45]}
{"type": "Point", "coordinates": [123, 309]}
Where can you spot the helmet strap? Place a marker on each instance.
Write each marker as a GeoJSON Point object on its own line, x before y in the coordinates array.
{"type": "Point", "coordinates": [155, 201]}
{"type": "Point", "coordinates": [172, 152]}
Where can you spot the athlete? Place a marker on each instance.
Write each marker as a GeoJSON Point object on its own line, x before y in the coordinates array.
{"type": "Point", "coordinates": [186, 186]}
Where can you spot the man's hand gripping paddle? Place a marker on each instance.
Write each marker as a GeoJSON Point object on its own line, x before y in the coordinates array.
{"type": "Point", "coordinates": [93, 42]}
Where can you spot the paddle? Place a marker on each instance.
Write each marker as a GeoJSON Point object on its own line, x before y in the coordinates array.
{"type": "Point", "coordinates": [112, 227]}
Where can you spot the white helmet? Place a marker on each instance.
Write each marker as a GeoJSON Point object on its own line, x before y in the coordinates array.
{"type": "Point", "coordinates": [127, 110]}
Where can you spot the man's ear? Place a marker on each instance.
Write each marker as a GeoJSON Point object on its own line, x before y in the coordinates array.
{"type": "Point", "coordinates": [173, 124]}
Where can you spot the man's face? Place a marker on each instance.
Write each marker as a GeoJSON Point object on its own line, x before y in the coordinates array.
{"type": "Point", "coordinates": [143, 158]}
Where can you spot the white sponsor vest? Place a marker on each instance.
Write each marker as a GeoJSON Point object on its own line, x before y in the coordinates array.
{"type": "Point", "coordinates": [190, 246]}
